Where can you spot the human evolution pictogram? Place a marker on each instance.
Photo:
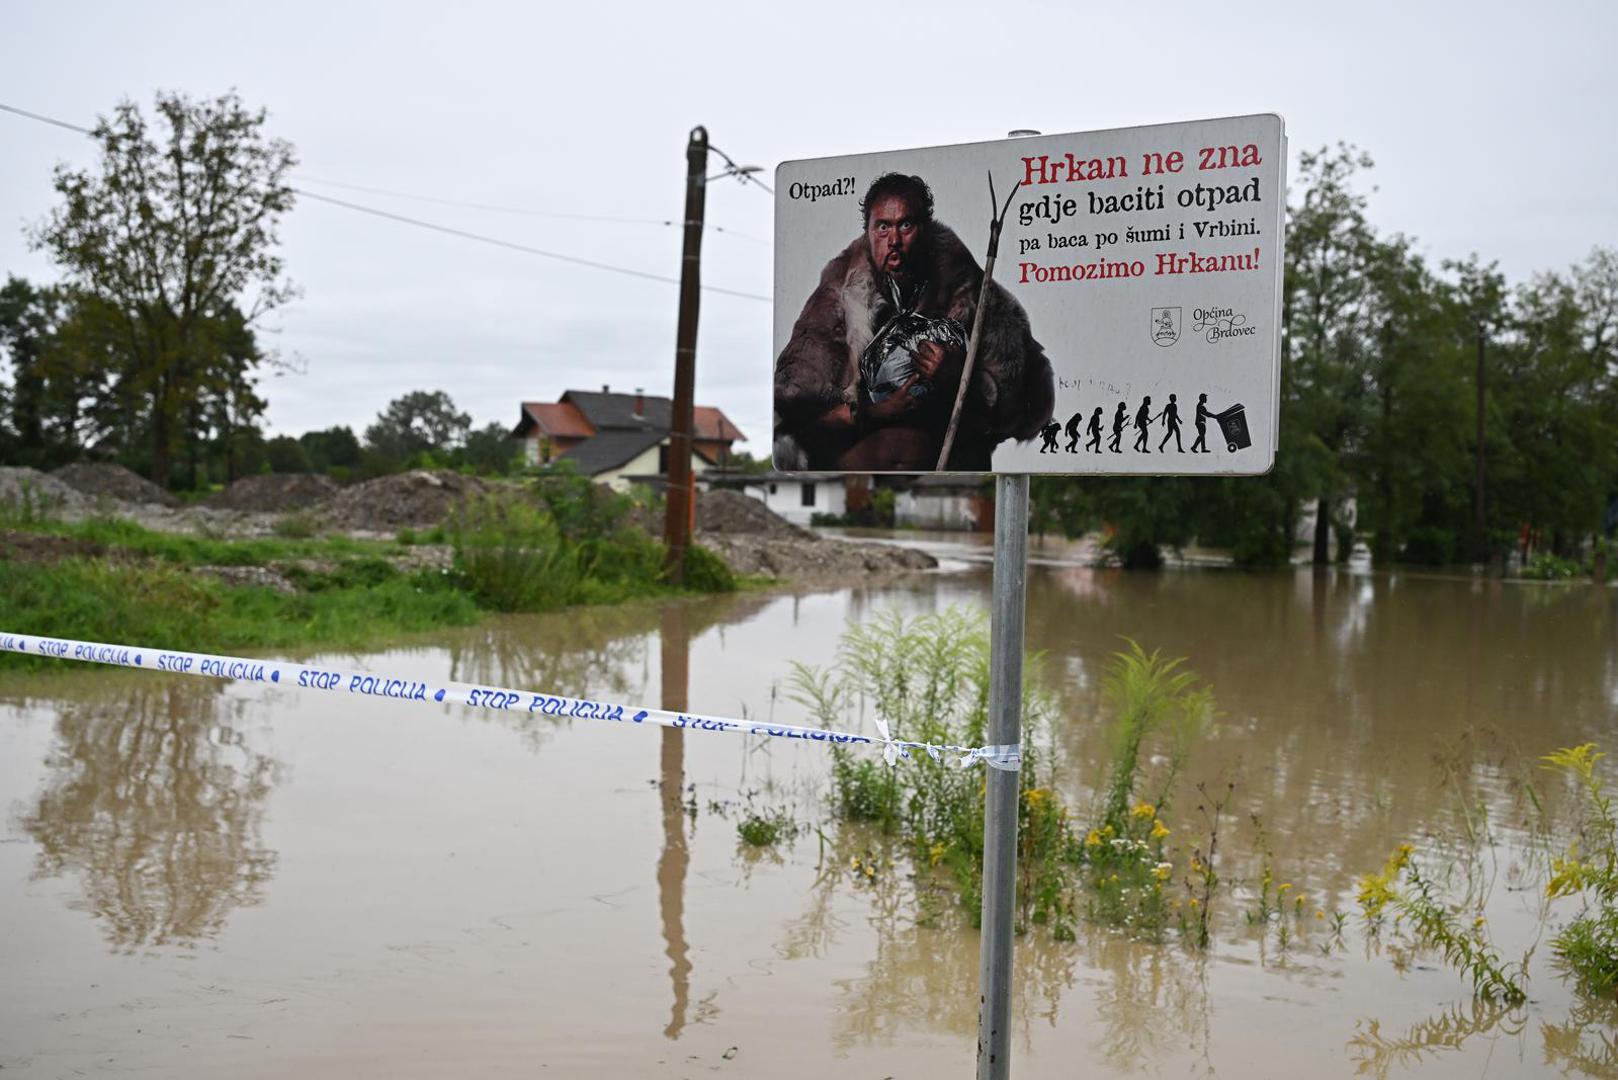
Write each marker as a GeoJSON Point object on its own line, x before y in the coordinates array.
{"type": "Point", "coordinates": [1142, 418]}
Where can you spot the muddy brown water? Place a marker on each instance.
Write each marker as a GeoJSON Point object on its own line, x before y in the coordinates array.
{"type": "Point", "coordinates": [210, 879]}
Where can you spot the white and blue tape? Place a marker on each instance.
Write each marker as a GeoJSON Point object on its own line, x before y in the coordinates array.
{"type": "Point", "coordinates": [369, 684]}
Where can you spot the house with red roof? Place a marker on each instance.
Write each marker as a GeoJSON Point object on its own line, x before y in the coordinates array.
{"type": "Point", "coordinates": [619, 439]}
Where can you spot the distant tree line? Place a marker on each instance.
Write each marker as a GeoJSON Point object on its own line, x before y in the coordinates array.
{"type": "Point", "coordinates": [146, 353]}
{"type": "Point", "coordinates": [1456, 415]}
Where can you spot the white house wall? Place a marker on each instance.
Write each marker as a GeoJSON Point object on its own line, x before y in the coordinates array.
{"type": "Point", "coordinates": [643, 464]}
{"type": "Point", "coordinates": [787, 499]}
{"type": "Point", "coordinates": [933, 511]}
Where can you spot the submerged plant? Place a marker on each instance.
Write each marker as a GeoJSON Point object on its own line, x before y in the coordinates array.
{"type": "Point", "coordinates": [765, 828]}
{"type": "Point", "coordinates": [1202, 876]}
{"type": "Point", "coordinates": [1588, 946]}
{"type": "Point", "coordinates": [1401, 886]}
{"type": "Point", "coordinates": [926, 679]}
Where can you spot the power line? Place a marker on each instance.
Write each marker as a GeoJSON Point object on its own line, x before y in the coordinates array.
{"type": "Point", "coordinates": [402, 219]}
{"type": "Point", "coordinates": [495, 241]}
{"type": "Point", "coordinates": [523, 211]}
{"type": "Point", "coordinates": [46, 119]}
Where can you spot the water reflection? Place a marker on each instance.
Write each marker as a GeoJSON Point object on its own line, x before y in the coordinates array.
{"type": "Point", "coordinates": [1586, 1044]}
{"type": "Point", "coordinates": [1444, 1033]}
{"type": "Point", "coordinates": [675, 662]}
{"type": "Point", "coordinates": [155, 799]}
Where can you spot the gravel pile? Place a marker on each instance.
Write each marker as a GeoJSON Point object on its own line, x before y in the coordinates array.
{"type": "Point", "coordinates": [723, 511]}
{"type": "Point", "coordinates": [276, 493]}
{"type": "Point", "coordinates": [20, 486]}
{"type": "Point", "coordinates": [787, 557]}
{"type": "Point", "coordinates": [259, 576]}
{"type": "Point", "coordinates": [408, 500]}
{"type": "Point", "coordinates": [113, 482]}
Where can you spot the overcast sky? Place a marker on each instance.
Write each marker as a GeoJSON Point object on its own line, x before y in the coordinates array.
{"type": "Point", "coordinates": [1493, 127]}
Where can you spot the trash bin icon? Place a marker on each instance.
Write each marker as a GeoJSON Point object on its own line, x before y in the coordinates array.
{"type": "Point", "coordinates": [1233, 426]}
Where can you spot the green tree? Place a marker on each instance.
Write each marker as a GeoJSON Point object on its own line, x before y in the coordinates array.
{"type": "Point", "coordinates": [286, 455]}
{"type": "Point", "coordinates": [419, 422]}
{"type": "Point", "coordinates": [1410, 472]}
{"type": "Point", "coordinates": [335, 447]}
{"type": "Point", "coordinates": [170, 232]}
{"type": "Point", "coordinates": [1557, 407]}
{"type": "Point", "coordinates": [1327, 299]}
{"type": "Point", "coordinates": [491, 449]}
{"type": "Point", "coordinates": [43, 412]}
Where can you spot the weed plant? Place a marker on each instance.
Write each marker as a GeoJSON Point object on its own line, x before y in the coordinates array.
{"type": "Point", "coordinates": [765, 828]}
{"type": "Point", "coordinates": [927, 678]}
{"type": "Point", "coordinates": [1587, 948]}
{"type": "Point", "coordinates": [1153, 699]}
{"type": "Point", "coordinates": [1402, 887]}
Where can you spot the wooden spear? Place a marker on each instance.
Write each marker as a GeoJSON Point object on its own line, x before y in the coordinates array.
{"type": "Point", "coordinates": [997, 218]}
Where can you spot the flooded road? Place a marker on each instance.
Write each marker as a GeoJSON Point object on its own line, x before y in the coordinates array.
{"type": "Point", "coordinates": [201, 878]}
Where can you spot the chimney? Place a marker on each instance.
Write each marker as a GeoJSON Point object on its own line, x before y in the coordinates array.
{"type": "Point", "coordinates": [640, 402]}
{"type": "Point", "coordinates": [605, 389]}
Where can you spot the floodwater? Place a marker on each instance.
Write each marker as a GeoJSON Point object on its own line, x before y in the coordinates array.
{"type": "Point", "coordinates": [209, 879]}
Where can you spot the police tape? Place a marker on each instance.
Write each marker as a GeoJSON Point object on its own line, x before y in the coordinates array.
{"type": "Point", "coordinates": [496, 698]}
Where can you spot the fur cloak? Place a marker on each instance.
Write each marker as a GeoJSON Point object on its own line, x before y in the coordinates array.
{"type": "Point", "coordinates": [1012, 392]}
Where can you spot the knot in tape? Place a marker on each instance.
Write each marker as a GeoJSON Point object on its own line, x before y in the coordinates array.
{"type": "Point", "coordinates": [1007, 757]}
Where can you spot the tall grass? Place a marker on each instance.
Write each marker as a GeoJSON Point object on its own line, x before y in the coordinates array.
{"type": "Point", "coordinates": [1154, 700]}
{"type": "Point", "coordinates": [516, 555]}
{"type": "Point", "coordinates": [927, 678]}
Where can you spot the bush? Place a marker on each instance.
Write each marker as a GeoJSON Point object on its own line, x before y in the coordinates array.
{"type": "Point", "coordinates": [1544, 566]}
{"type": "Point", "coordinates": [511, 557]}
{"type": "Point", "coordinates": [707, 572]}
{"type": "Point", "coordinates": [296, 526]}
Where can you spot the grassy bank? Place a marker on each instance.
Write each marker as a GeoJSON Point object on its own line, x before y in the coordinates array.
{"type": "Point", "coordinates": [108, 579]}
{"type": "Point", "coordinates": [166, 605]}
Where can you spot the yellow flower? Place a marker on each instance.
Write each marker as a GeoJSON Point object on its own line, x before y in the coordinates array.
{"type": "Point", "coordinates": [1285, 885]}
{"type": "Point", "coordinates": [1159, 830]}
{"type": "Point", "coordinates": [1162, 871]}
{"type": "Point", "coordinates": [1195, 903]}
{"type": "Point", "coordinates": [1144, 810]}
{"type": "Point", "coordinates": [1319, 914]}
{"type": "Point", "coordinates": [936, 852]}
{"type": "Point", "coordinates": [1036, 796]}
{"type": "Point", "coordinates": [1093, 839]}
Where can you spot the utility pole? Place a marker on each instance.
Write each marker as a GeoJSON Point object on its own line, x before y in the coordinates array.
{"type": "Point", "coordinates": [1480, 540]}
{"type": "Point", "coordinates": [677, 494]}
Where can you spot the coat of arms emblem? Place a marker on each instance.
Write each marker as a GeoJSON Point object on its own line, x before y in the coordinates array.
{"type": "Point", "coordinates": [1165, 326]}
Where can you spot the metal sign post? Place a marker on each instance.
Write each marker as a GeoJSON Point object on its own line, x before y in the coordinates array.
{"type": "Point", "coordinates": [1002, 787]}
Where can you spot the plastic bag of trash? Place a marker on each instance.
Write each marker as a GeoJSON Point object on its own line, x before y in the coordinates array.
{"type": "Point", "coordinates": [890, 359]}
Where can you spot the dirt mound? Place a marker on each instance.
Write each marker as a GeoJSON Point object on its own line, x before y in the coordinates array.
{"type": "Point", "coordinates": [822, 560]}
{"type": "Point", "coordinates": [113, 481]}
{"type": "Point", "coordinates": [29, 491]}
{"type": "Point", "coordinates": [722, 511]}
{"type": "Point", "coordinates": [408, 500]}
{"type": "Point", "coordinates": [276, 493]}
